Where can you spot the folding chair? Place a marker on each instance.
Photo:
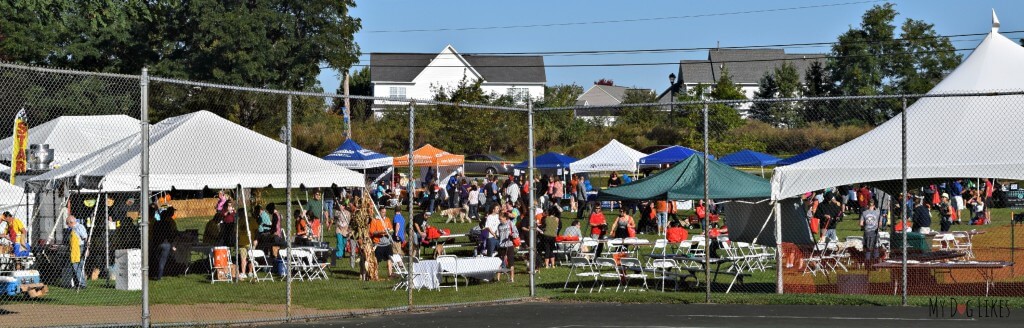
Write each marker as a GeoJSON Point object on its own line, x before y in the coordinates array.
{"type": "Point", "coordinates": [448, 266]}
{"type": "Point", "coordinates": [262, 268]}
{"type": "Point", "coordinates": [314, 266]}
{"type": "Point", "coordinates": [631, 269]}
{"type": "Point", "coordinates": [812, 264]}
{"type": "Point", "coordinates": [607, 269]}
{"type": "Point", "coordinates": [939, 242]}
{"type": "Point", "coordinates": [582, 268]}
{"type": "Point", "coordinates": [588, 248]}
{"type": "Point", "coordinates": [661, 269]}
{"type": "Point", "coordinates": [398, 267]}
{"type": "Point", "coordinates": [660, 248]}
{"type": "Point", "coordinates": [739, 262]}
{"type": "Point", "coordinates": [963, 243]}
{"type": "Point", "coordinates": [295, 262]}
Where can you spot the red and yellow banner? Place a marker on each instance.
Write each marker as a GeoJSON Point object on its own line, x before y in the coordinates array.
{"type": "Point", "coordinates": [19, 160]}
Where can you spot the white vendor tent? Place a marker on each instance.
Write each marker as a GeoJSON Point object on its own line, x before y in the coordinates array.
{"type": "Point", "coordinates": [992, 122]}
{"type": "Point", "coordinates": [12, 199]}
{"type": "Point", "coordinates": [72, 137]}
{"type": "Point", "coordinates": [198, 150]}
{"type": "Point", "coordinates": [614, 156]}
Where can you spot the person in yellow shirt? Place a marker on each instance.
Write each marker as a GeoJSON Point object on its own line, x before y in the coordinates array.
{"type": "Point", "coordinates": [76, 244]}
{"type": "Point", "coordinates": [16, 231]}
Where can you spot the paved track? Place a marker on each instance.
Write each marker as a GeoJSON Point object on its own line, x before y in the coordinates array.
{"type": "Point", "coordinates": [606, 315]}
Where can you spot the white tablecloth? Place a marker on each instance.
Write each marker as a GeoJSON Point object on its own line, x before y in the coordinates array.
{"type": "Point", "coordinates": [473, 267]}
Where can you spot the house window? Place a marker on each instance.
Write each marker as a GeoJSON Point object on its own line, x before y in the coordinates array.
{"type": "Point", "coordinates": [519, 94]}
{"type": "Point", "coordinates": [397, 93]}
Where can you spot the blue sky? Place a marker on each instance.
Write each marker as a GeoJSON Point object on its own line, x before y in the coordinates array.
{"type": "Point", "coordinates": [822, 24]}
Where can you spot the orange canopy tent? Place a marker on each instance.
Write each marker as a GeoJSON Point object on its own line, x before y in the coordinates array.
{"type": "Point", "coordinates": [430, 156]}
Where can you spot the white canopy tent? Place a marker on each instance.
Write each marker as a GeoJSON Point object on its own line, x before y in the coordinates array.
{"type": "Point", "coordinates": [72, 137]}
{"type": "Point", "coordinates": [993, 121]}
{"type": "Point", "coordinates": [614, 156]}
{"type": "Point", "coordinates": [196, 151]}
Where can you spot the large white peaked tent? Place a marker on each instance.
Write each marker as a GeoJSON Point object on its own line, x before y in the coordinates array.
{"type": "Point", "coordinates": [614, 156]}
{"type": "Point", "coordinates": [994, 122]}
{"type": "Point", "coordinates": [198, 150]}
{"type": "Point", "coordinates": [72, 137]}
{"type": "Point", "coordinates": [10, 195]}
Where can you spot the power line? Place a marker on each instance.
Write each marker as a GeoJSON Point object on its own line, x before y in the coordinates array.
{"type": "Point", "coordinates": [623, 20]}
{"type": "Point", "coordinates": [696, 49]}
{"type": "Point", "coordinates": [676, 62]}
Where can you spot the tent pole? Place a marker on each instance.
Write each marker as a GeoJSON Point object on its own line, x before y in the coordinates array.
{"type": "Point", "coordinates": [248, 231]}
{"type": "Point", "coordinates": [707, 231]}
{"type": "Point", "coordinates": [144, 192]}
{"type": "Point", "coordinates": [779, 284]}
{"type": "Point", "coordinates": [106, 238]}
{"type": "Point", "coordinates": [238, 255]}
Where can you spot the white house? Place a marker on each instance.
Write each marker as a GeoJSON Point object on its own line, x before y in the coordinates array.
{"type": "Point", "coordinates": [745, 66]}
{"type": "Point", "coordinates": [403, 76]}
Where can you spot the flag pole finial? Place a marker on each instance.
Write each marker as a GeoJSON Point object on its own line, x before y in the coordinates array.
{"type": "Point", "coordinates": [995, 21]}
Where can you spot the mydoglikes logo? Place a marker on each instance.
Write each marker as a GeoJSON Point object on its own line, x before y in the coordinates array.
{"type": "Point", "coordinates": [962, 308]}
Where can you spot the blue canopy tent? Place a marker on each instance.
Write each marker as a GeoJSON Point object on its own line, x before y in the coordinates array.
{"type": "Point", "coordinates": [749, 157]}
{"type": "Point", "coordinates": [670, 155]}
{"type": "Point", "coordinates": [351, 155]}
{"type": "Point", "coordinates": [549, 160]}
{"type": "Point", "coordinates": [799, 157]}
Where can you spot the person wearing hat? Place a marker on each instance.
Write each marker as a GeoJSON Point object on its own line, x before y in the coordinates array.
{"type": "Point", "coordinates": [946, 213]}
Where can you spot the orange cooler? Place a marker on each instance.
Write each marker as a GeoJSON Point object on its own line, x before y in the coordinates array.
{"type": "Point", "coordinates": [220, 257]}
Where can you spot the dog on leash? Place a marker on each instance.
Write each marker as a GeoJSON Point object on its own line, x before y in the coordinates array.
{"type": "Point", "coordinates": [456, 214]}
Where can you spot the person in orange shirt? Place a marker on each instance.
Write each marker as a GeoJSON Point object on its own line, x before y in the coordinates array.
{"type": "Point", "coordinates": [381, 235]}
{"type": "Point", "coordinates": [598, 223]}
{"type": "Point", "coordinates": [662, 216]}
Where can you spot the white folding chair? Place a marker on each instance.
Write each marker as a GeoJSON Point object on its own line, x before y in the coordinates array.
{"type": "Point", "coordinates": [582, 268]}
{"type": "Point", "coordinates": [662, 268]}
{"type": "Point", "coordinates": [588, 248]}
{"type": "Point", "coordinates": [607, 269]}
{"type": "Point", "coordinates": [732, 254]}
{"type": "Point", "coordinates": [883, 239]}
{"type": "Point", "coordinates": [398, 267]}
{"type": "Point", "coordinates": [660, 248]}
{"type": "Point", "coordinates": [448, 266]}
{"type": "Point", "coordinates": [939, 242]}
{"type": "Point", "coordinates": [632, 269]}
{"type": "Point", "coordinates": [262, 268]}
{"type": "Point", "coordinates": [298, 269]}
{"type": "Point", "coordinates": [812, 264]}
{"type": "Point", "coordinates": [315, 267]}
{"type": "Point", "coordinates": [963, 243]}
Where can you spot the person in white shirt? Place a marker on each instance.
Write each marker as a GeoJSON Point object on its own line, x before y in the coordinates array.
{"type": "Point", "coordinates": [474, 201]}
{"type": "Point", "coordinates": [512, 191]}
{"type": "Point", "coordinates": [491, 227]}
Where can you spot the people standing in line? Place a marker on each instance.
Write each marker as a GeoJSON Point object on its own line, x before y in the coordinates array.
{"type": "Point", "coordinates": [598, 223]}
{"type": "Point", "coordinates": [342, 218]}
{"type": "Point", "coordinates": [76, 244]}
{"type": "Point", "coordinates": [828, 214]}
{"type": "Point", "coordinates": [549, 232]}
{"type": "Point", "coordinates": [921, 217]}
{"type": "Point", "coordinates": [474, 201]}
{"type": "Point", "coordinates": [946, 213]}
{"type": "Point", "coordinates": [491, 228]}
{"type": "Point", "coordinates": [870, 222]}
{"type": "Point", "coordinates": [506, 247]}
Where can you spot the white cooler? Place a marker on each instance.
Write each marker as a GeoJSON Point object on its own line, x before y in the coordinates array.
{"type": "Point", "coordinates": [129, 269]}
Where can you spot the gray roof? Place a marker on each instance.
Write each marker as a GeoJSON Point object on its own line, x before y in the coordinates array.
{"type": "Point", "coordinates": [602, 95]}
{"type": "Point", "coordinates": [746, 66]}
{"type": "Point", "coordinates": [404, 67]}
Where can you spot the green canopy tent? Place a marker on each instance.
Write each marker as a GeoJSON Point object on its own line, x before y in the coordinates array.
{"type": "Point", "coordinates": [685, 181]}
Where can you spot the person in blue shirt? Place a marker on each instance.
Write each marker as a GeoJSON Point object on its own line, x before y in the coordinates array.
{"type": "Point", "coordinates": [399, 222]}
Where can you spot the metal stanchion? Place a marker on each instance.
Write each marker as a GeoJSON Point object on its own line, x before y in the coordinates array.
{"type": "Point", "coordinates": [144, 192]}
{"type": "Point", "coordinates": [707, 230]}
{"type": "Point", "coordinates": [903, 118]}
{"type": "Point", "coordinates": [529, 214]}
{"type": "Point", "coordinates": [409, 221]}
{"type": "Point", "coordinates": [291, 220]}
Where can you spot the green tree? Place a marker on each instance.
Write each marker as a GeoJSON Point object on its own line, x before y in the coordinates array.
{"type": "Point", "coordinates": [781, 82]}
{"type": "Point", "coordinates": [817, 83]}
{"type": "Point", "coordinates": [870, 60]}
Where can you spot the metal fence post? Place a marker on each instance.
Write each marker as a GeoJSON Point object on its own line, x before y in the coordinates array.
{"type": "Point", "coordinates": [530, 215]}
{"type": "Point", "coordinates": [291, 220]}
{"type": "Point", "coordinates": [412, 167]}
{"type": "Point", "coordinates": [903, 119]}
{"type": "Point", "coordinates": [707, 229]}
{"type": "Point", "coordinates": [144, 192]}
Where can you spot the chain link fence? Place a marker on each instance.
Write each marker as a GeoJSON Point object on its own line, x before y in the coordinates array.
{"type": "Point", "coordinates": [228, 224]}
